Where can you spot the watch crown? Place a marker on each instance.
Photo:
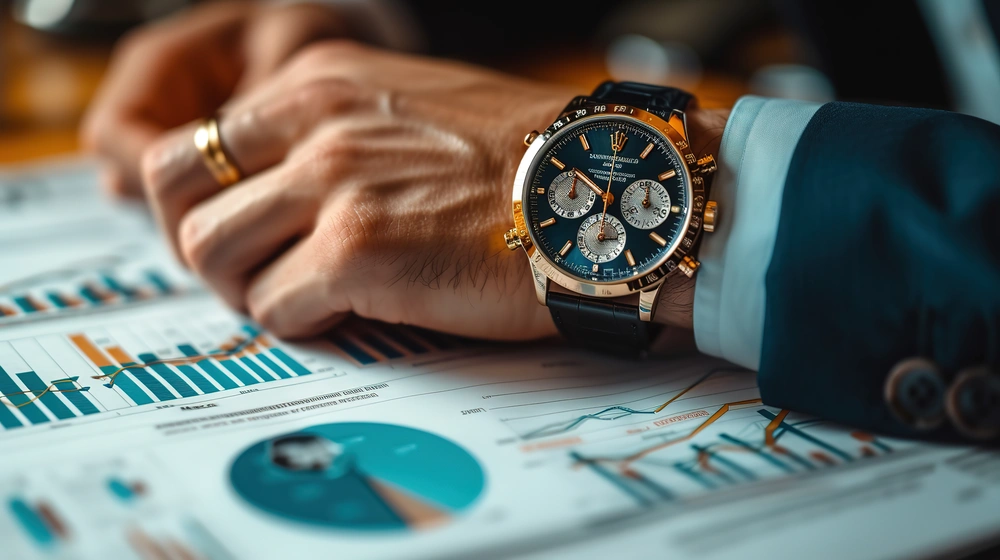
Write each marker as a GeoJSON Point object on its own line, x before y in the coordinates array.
{"type": "Point", "coordinates": [706, 165]}
{"type": "Point", "coordinates": [688, 266]}
{"type": "Point", "coordinates": [512, 239]}
{"type": "Point", "coordinates": [530, 137]}
{"type": "Point", "coordinates": [711, 215]}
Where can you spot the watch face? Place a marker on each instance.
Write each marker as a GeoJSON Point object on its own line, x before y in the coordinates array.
{"type": "Point", "coordinates": [607, 199]}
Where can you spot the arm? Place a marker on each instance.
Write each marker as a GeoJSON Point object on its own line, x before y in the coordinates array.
{"type": "Point", "coordinates": [859, 237]}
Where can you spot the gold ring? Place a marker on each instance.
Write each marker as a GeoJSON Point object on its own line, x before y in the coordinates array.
{"type": "Point", "coordinates": [209, 143]}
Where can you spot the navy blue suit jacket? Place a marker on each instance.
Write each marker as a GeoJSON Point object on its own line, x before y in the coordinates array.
{"type": "Point", "coordinates": [888, 247]}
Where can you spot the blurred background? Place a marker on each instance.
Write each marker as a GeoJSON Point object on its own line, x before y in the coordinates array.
{"type": "Point", "coordinates": [53, 53]}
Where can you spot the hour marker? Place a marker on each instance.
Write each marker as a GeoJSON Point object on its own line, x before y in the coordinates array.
{"type": "Point", "coordinates": [629, 257]}
{"type": "Point", "coordinates": [583, 140]}
{"type": "Point", "coordinates": [558, 163]}
{"type": "Point", "coordinates": [547, 223]}
{"type": "Point", "coordinates": [663, 176]}
{"type": "Point", "coordinates": [675, 209]}
{"type": "Point", "coordinates": [565, 250]}
{"type": "Point", "coordinates": [649, 148]}
{"type": "Point", "coordinates": [594, 268]}
{"type": "Point", "coordinates": [540, 190]}
{"type": "Point", "coordinates": [659, 240]}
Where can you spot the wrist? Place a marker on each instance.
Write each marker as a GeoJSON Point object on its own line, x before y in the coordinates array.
{"type": "Point", "coordinates": [675, 306]}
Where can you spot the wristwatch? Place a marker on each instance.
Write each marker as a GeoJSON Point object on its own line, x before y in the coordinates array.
{"type": "Point", "coordinates": [609, 203]}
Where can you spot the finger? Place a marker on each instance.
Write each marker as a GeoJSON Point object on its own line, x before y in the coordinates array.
{"type": "Point", "coordinates": [229, 235]}
{"type": "Point", "coordinates": [279, 31]}
{"type": "Point", "coordinates": [256, 134]}
{"type": "Point", "coordinates": [296, 295]}
{"type": "Point", "coordinates": [120, 145]}
{"type": "Point", "coordinates": [148, 88]}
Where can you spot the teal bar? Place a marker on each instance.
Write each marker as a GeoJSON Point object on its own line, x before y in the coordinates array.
{"type": "Point", "coordinates": [116, 286]}
{"type": "Point", "coordinates": [120, 490]}
{"type": "Point", "coordinates": [614, 479]}
{"type": "Point", "coordinates": [7, 418]}
{"type": "Point", "coordinates": [697, 477]}
{"type": "Point", "coordinates": [88, 294]}
{"type": "Point", "coordinates": [264, 376]}
{"type": "Point", "coordinates": [269, 364]}
{"type": "Point", "coordinates": [159, 281]}
{"type": "Point", "coordinates": [293, 365]}
{"type": "Point", "coordinates": [21, 401]}
{"type": "Point", "coordinates": [760, 453]}
{"type": "Point", "coordinates": [48, 398]}
{"type": "Point", "coordinates": [808, 437]}
{"type": "Point", "coordinates": [124, 382]}
{"type": "Point", "coordinates": [208, 367]}
{"type": "Point", "coordinates": [76, 398]}
{"type": "Point", "coordinates": [218, 375]}
{"type": "Point", "coordinates": [57, 300]}
{"type": "Point", "coordinates": [198, 379]}
{"type": "Point", "coordinates": [733, 466]}
{"type": "Point", "coordinates": [240, 373]}
{"type": "Point", "coordinates": [32, 523]}
{"type": "Point", "coordinates": [25, 304]}
{"type": "Point", "coordinates": [168, 375]}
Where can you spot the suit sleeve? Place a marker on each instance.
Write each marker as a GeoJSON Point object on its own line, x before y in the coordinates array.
{"type": "Point", "coordinates": [888, 250]}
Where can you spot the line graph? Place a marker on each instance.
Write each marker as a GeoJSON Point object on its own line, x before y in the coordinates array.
{"type": "Point", "coordinates": [610, 413]}
{"type": "Point", "coordinates": [725, 450]}
{"type": "Point", "coordinates": [634, 401]}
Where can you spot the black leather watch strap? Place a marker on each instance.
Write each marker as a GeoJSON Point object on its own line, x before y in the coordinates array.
{"type": "Point", "coordinates": [598, 323]}
{"type": "Point", "coordinates": [601, 324]}
{"type": "Point", "coordinates": [655, 99]}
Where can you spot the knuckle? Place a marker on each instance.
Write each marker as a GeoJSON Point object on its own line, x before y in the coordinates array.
{"type": "Point", "coordinates": [332, 51]}
{"type": "Point", "coordinates": [351, 237]}
{"type": "Point", "coordinates": [155, 169]}
{"type": "Point", "coordinates": [194, 239]}
{"type": "Point", "coordinates": [326, 95]}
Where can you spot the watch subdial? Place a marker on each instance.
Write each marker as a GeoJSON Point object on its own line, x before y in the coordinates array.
{"type": "Point", "coordinates": [569, 197]}
{"type": "Point", "coordinates": [600, 248]}
{"type": "Point", "coordinates": [645, 204]}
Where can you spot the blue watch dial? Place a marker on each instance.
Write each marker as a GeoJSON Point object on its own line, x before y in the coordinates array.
{"type": "Point", "coordinates": [607, 198]}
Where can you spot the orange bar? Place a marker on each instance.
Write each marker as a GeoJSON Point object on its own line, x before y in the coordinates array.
{"type": "Point", "coordinates": [89, 350]}
{"type": "Point", "coordinates": [263, 341]}
{"type": "Point", "coordinates": [252, 349]}
{"type": "Point", "coordinates": [6, 310]}
{"type": "Point", "coordinates": [39, 306]}
{"type": "Point", "coordinates": [70, 300]}
{"type": "Point", "coordinates": [101, 293]}
{"type": "Point", "coordinates": [120, 355]}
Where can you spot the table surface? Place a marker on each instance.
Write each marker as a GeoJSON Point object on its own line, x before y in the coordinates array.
{"type": "Point", "coordinates": [46, 84]}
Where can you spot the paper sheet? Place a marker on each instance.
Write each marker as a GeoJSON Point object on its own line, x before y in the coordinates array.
{"type": "Point", "coordinates": [141, 419]}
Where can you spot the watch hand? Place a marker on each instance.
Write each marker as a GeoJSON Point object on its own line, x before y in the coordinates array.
{"type": "Point", "coordinates": [572, 188]}
{"type": "Point", "coordinates": [645, 200]}
{"type": "Point", "coordinates": [590, 183]}
{"type": "Point", "coordinates": [607, 197]}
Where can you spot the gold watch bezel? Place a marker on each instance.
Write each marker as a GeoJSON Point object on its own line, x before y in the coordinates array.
{"type": "Point", "coordinates": [674, 131]}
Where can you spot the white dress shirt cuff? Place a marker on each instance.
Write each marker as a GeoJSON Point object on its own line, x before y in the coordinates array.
{"type": "Point", "coordinates": [757, 148]}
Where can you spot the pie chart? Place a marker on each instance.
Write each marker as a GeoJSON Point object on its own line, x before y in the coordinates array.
{"type": "Point", "coordinates": [359, 476]}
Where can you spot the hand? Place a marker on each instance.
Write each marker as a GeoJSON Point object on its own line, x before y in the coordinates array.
{"type": "Point", "coordinates": [608, 196]}
{"type": "Point", "coordinates": [185, 67]}
{"type": "Point", "coordinates": [377, 183]}
{"type": "Point", "coordinates": [590, 182]}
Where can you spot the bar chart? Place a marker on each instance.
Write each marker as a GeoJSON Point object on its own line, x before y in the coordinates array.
{"type": "Point", "coordinates": [76, 374]}
{"type": "Point", "coordinates": [369, 342]}
{"type": "Point", "coordinates": [88, 291]}
{"type": "Point", "coordinates": [147, 377]}
{"type": "Point", "coordinates": [117, 509]}
{"type": "Point", "coordinates": [87, 371]}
